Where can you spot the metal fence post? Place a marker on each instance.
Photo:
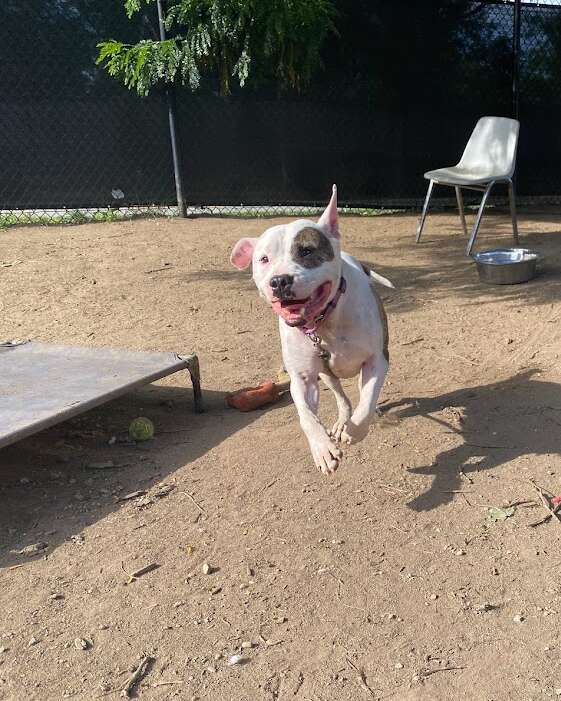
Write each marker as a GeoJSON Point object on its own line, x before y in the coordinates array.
{"type": "Point", "coordinates": [172, 127]}
{"type": "Point", "coordinates": [516, 59]}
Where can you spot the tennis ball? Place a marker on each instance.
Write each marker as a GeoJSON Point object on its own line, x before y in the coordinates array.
{"type": "Point", "coordinates": [141, 429]}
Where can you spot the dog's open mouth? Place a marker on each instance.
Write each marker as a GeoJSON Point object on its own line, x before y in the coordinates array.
{"type": "Point", "coordinates": [297, 312]}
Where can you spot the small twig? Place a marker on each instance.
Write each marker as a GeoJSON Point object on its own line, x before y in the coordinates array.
{"type": "Point", "coordinates": [144, 570]}
{"type": "Point", "coordinates": [542, 494]}
{"type": "Point", "coordinates": [157, 270]}
{"type": "Point", "coordinates": [545, 519]}
{"type": "Point", "coordinates": [337, 579]}
{"type": "Point", "coordinates": [199, 507]}
{"type": "Point", "coordinates": [520, 502]}
{"type": "Point", "coordinates": [362, 677]}
{"type": "Point", "coordinates": [165, 683]}
{"type": "Point", "coordinates": [553, 512]}
{"type": "Point", "coordinates": [132, 495]}
{"type": "Point", "coordinates": [428, 672]}
{"type": "Point", "coordinates": [299, 683]}
{"type": "Point", "coordinates": [137, 675]}
{"type": "Point", "coordinates": [394, 489]}
{"type": "Point", "coordinates": [415, 340]}
{"type": "Point", "coordinates": [138, 573]}
{"type": "Point", "coordinates": [272, 643]}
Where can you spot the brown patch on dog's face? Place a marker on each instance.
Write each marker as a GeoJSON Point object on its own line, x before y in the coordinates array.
{"type": "Point", "coordinates": [311, 248]}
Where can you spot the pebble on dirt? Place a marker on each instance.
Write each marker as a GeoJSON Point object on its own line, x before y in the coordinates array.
{"type": "Point", "coordinates": [236, 659]}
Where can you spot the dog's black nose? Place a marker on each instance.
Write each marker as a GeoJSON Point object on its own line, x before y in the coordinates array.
{"type": "Point", "coordinates": [280, 284]}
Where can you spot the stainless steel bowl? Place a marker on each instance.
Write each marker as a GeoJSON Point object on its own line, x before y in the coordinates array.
{"type": "Point", "coordinates": [506, 266]}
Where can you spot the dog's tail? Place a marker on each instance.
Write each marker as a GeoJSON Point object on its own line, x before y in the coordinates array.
{"type": "Point", "coordinates": [376, 277]}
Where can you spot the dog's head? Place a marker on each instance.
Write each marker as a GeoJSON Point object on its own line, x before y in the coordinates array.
{"type": "Point", "coordinates": [296, 266]}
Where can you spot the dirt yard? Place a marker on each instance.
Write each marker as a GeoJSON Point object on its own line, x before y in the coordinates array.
{"type": "Point", "coordinates": [388, 581]}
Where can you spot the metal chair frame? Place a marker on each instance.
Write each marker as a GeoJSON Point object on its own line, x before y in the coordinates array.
{"type": "Point", "coordinates": [485, 188]}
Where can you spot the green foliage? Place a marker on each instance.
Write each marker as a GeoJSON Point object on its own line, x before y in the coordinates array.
{"type": "Point", "coordinates": [77, 216]}
{"type": "Point", "coordinates": [241, 39]}
{"type": "Point", "coordinates": [71, 216]}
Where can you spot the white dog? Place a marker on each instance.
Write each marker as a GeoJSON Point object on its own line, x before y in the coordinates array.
{"type": "Point", "coordinates": [332, 324]}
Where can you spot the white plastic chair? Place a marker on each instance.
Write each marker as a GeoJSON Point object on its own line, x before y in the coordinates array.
{"type": "Point", "coordinates": [489, 158]}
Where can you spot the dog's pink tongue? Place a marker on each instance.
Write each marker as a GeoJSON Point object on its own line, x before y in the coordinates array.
{"type": "Point", "coordinates": [291, 313]}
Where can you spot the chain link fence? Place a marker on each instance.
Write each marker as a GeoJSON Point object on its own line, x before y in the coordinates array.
{"type": "Point", "coordinates": [399, 93]}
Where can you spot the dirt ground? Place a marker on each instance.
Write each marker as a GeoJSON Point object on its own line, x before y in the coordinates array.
{"type": "Point", "coordinates": [389, 580]}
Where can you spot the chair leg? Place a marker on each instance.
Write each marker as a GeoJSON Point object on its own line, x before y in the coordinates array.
{"type": "Point", "coordinates": [478, 218]}
{"type": "Point", "coordinates": [460, 200]}
{"type": "Point", "coordinates": [424, 213]}
{"type": "Point", "coordinates": [513, 211]}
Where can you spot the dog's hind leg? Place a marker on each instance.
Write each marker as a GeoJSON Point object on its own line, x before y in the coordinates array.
{"type": "Point", "coordinates": [343, 404]}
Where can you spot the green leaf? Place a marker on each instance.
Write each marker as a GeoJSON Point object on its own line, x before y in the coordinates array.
{"type": "Point", "coordinates": [132, 6]}
{"type": "Point", "coordinates": [108, 49]}
{"type": "Point", "coordinates": [250, 40]}
{"type": "Point", "coordinates": [497, 513]}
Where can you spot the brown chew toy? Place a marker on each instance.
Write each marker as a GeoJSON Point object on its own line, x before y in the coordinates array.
{"type": "Point", "coordinates": [250, 398]}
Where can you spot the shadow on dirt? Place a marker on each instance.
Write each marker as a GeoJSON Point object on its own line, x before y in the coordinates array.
{"type": "Point", "coordinates": [51, 488]}
{"type": "Point", "coordinates": [444, 271]}
{"type": "Point", "coordinates": [497, 422]}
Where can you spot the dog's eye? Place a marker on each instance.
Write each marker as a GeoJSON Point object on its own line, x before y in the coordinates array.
{"type": "Point", "coordinates": [304, 251]}
{"type": "Point", "coordinates": [263, 259]}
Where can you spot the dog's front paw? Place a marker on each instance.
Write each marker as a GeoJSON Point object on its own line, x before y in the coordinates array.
{"type": "Point", "coordinates": [326, 454]}
{"type": "Point", "coordinates": [353, 433]}
{"type": "Point", "coordinates": [337, 430]}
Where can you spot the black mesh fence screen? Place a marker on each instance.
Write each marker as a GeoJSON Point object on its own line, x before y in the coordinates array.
{"type": "Point", "coordinates": [399, 92]}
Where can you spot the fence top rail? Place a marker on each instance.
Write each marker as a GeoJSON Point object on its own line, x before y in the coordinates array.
{"type": "Point", "coordinates": [527, 3]}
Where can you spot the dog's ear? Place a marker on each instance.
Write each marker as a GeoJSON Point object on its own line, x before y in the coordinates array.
{"type": "Point", "coordinates": [328, 220]}
{"type": "Point", "coordinates": [242, 253]}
